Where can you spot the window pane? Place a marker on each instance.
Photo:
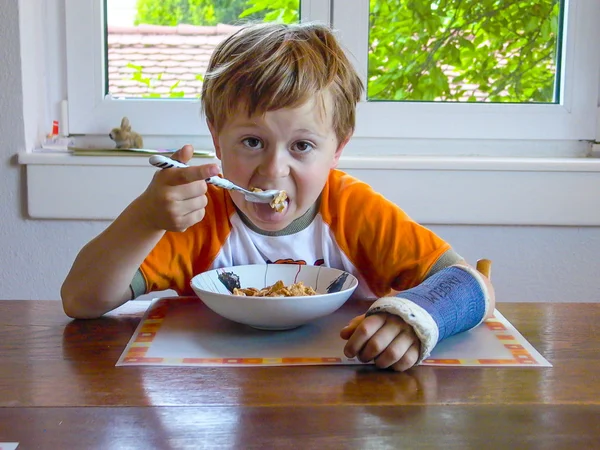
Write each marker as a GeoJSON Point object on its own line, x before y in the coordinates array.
{"type": "Point", "coordinates": [465, 50]}
{"type": "Point", "coordinates": [160, 49]}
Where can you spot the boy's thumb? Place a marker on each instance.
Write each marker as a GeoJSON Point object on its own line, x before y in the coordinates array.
{"type": "Point", "coordinates": [184, 154]}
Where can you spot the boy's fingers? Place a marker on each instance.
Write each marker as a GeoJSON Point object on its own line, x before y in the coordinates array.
{"type": "Point", "coordinates": [395, 350]}
{"type": "Point", "coordinates": [362, 334]}
{"type": "Point", "coordinates": [193, 204]}
{"type": "Point", "coordinates": [192, 190]}
{"type": "Point", "coordinates": [184, 154]}
{"type": "Point", "coordinates": [349, 329]}
{"type": "Point", "coordinates": [378, 344]}
{"type": "Point", "coordinates": [409, 359]}
{"type": "Point", "coordinates": [190, 174]}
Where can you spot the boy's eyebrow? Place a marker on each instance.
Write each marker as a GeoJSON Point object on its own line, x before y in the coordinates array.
{"type": "Point", "coordinates": [246, 125]}
{"type": "Point", "coordinates": [306, 130]}
{"type": "Point", "coordinates": [298, 130]}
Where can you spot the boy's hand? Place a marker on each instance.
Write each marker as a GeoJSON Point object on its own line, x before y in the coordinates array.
{"type": "Point", "coordinates": [175, 198]}
{"type": "Point", "coordinates": [384, 338]}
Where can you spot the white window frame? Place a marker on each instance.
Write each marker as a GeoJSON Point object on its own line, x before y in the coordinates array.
{"type": "Point", "coordinates": [93, 113]}
{"type": "Point", "coordinates": [573, 119]}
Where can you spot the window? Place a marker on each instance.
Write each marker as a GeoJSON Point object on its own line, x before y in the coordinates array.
{"type": "Point", "coordinates": [477, 70]}
{"type": "Point", "coordinates": [570, 115]}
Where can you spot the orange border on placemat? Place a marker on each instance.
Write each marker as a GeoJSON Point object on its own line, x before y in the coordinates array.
{"type": "Point", "coordinates": [520, 354]}
{"type": "Point", "coordinates": [132, 359]}
{"type": "Point", "coordinates": [150, 326]}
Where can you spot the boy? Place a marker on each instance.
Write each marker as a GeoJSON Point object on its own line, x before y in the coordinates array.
{"type": "Point", "coordinates": [280, 105]}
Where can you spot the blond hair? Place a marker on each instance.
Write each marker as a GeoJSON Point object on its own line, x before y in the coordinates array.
{"type": "Point", "coordinates": [268, 66]}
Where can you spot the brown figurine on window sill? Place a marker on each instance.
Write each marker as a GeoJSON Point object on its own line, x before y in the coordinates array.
{"type": "Point", "coordinates": [125, 137]}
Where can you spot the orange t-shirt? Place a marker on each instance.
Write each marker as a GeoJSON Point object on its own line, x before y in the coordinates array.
{"type": "Point", "coordinates": [355, 229]}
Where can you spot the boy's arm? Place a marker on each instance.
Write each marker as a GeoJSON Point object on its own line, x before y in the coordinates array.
{"type": "Point", "coordinates": [400, 331]}
{"type": "Point", "coordinates": [393, 252]}
{"type": "Point", "coordinates": [100, 277]}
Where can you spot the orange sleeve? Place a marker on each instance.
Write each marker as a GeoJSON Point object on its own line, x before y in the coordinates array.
{"type": "Point", "coordinates": [179, 256]}
{"type": "Point", "coordinates": [387, 247]}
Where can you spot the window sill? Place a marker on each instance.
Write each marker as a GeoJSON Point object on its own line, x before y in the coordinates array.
{"type": "Point", "coordinates": [433, 190]}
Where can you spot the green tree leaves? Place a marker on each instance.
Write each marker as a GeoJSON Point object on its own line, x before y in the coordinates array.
{"type": "Point", "coordinates": [457, 50]}
{"type": "Point", "coordinates": [192, 12]}
{"type": "Point", "coordinates": [423, 50]}
{"type": "Point", "coordinates": [284, 11]}
{"type": "Point", "coordinates": [212, 12]}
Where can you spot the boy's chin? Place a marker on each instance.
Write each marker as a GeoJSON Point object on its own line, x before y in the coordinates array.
{"type": "Point", "coordinates": [267, 219]}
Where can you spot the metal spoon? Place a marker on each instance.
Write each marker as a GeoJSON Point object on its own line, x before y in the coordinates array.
{"type": "Point", "coordinates": [268, 196]}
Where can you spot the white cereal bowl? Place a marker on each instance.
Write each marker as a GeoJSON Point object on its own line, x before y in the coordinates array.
{"type": "Point", "coordinates": [333, 288]}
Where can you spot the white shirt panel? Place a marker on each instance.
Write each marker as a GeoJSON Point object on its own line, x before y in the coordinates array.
{"type": "Point", "coordinates": [315, 245]}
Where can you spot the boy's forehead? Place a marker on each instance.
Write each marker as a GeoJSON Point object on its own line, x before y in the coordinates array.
{"type": "Point", "coordinates": [315, 112]}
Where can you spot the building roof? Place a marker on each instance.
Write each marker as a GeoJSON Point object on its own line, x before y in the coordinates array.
{"type": "Point", "coordinates": [165, 55]}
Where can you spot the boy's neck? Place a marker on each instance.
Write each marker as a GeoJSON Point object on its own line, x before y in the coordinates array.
{"type": "Point", "coordinates": [296, 226]}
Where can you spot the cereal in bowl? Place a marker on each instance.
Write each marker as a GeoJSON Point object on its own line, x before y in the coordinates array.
{"type": "Point", "coordinates": [277, 290]}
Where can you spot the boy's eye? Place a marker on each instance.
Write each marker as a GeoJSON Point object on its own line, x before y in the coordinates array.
{"type": "Point", "coordinates": [252, 143]}
{"type": "Point", "coordinates": [302, 146]}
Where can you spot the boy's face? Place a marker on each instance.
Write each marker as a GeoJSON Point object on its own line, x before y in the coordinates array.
{"type": "Point", "coordinates": [291, 149]}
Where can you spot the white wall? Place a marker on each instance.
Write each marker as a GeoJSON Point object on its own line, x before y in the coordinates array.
{"type": "Point", "coordinates": [34, 255]}
{"type": "Point", "coordinates": [530, 263]}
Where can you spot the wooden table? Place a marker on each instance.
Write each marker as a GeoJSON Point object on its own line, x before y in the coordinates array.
{"type": "Point", "coordinates": [60, 389]}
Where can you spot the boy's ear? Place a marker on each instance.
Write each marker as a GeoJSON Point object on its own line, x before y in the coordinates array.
{"type": "Point", "coordinates": [338, 152]}
{"type": "Point", "coordinates": [215, 139]}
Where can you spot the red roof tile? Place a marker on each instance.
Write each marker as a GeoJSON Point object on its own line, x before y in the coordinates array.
{"type": "Point", "coordinates": [169, 53]}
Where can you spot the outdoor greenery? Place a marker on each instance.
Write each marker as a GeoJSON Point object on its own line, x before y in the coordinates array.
{"type": "Point", "coordinates": [149, 81]}
{"type": "Point", "coordinates": [444, 50]}
{"type": "Point", "coordinates": [504, 49]}
{"type": "Point", "coordinates": [212, 12]}
{"type": "Point", "coordinates": [286, 11]}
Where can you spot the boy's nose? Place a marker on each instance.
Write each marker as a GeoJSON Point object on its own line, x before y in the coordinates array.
{"type": "Point", "coordinates": [274, 165]}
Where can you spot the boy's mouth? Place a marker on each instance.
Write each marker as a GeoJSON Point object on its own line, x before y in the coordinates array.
{"type": "Point", "coordinates": [265, 213]}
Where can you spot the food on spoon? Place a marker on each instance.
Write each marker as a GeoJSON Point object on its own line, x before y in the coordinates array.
{"type": "Point", "coordinates": [278, 203]}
